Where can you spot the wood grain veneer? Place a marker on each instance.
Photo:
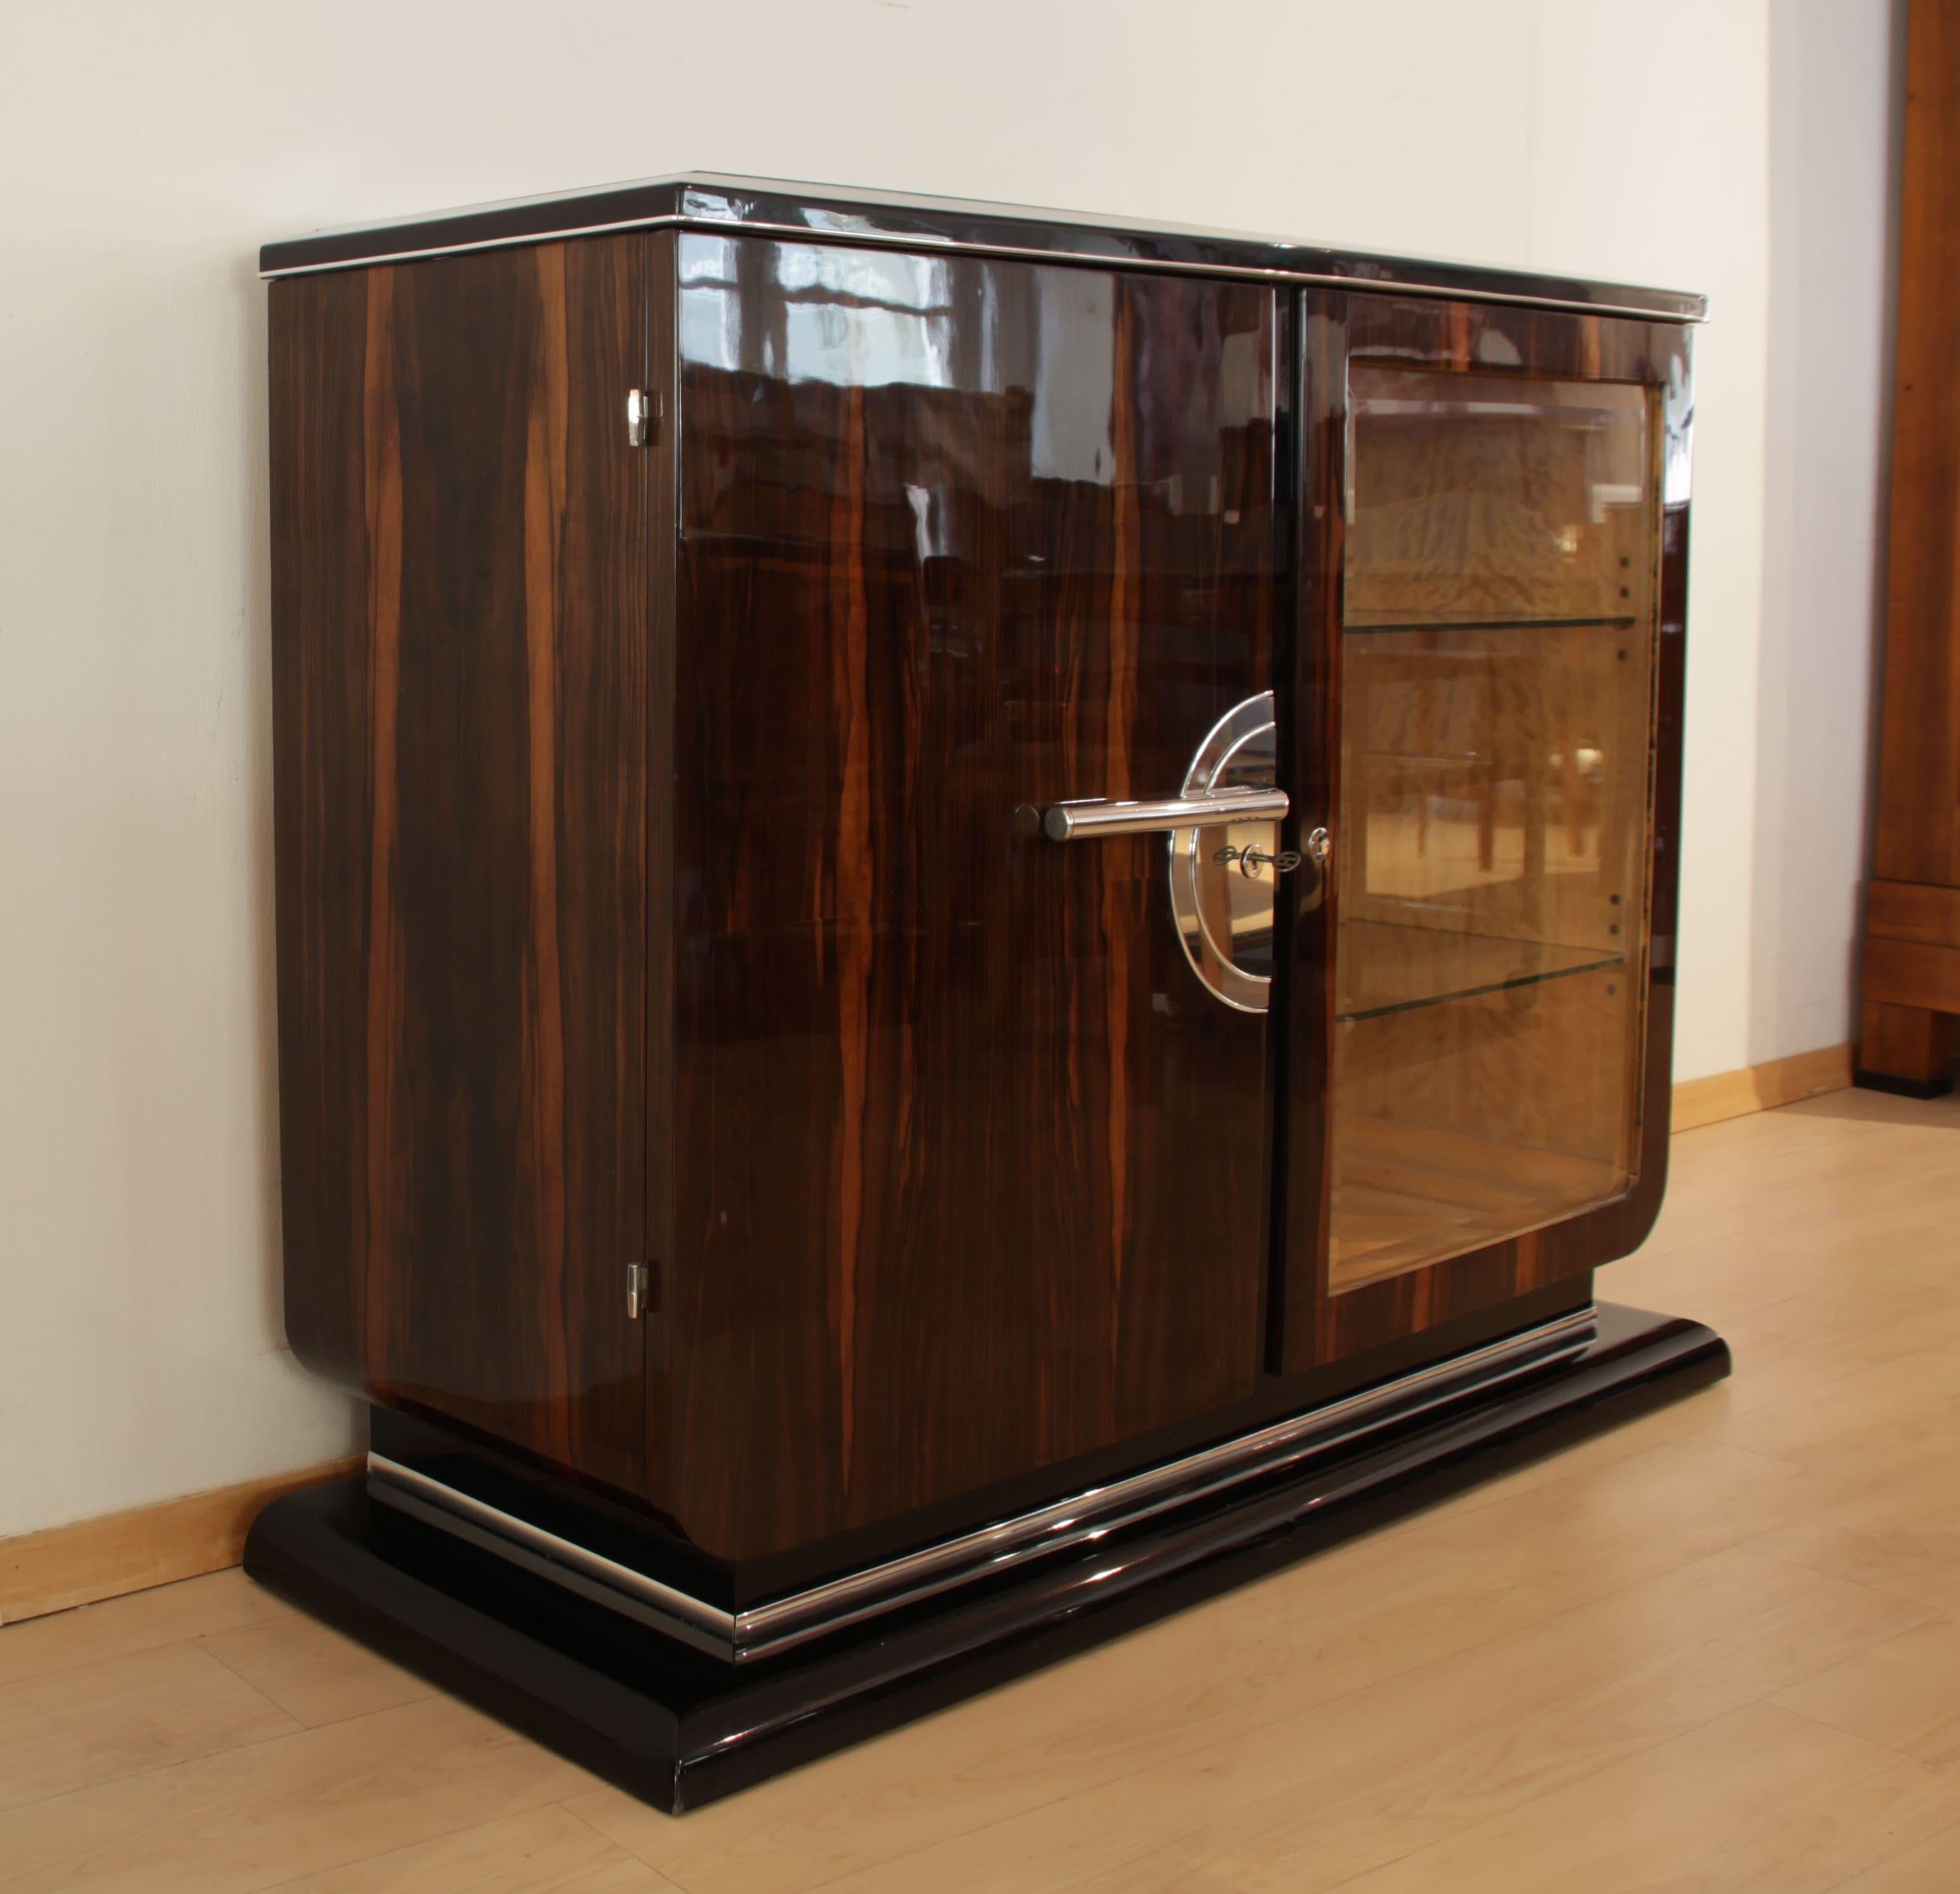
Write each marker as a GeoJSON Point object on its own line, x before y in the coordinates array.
{"type": "Point", "coordinates": [1911, 989]}
{"type": "Point", "coordinates": [461, 568]}
{"type": "Point", "coordinates": [654, 884]}
{"type": "Point", "coordinates": [971, 1170]}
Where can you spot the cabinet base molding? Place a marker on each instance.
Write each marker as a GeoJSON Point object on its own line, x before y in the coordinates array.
{"type": "Point", "coordinates": [1910, 984]}
{"type": "Point", "coordinates": [550, 1646]}
{"type": "Point", "coordinates": [1328, 1433]}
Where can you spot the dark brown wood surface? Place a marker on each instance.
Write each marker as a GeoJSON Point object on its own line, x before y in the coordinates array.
{"type": "Point", "coordinates": [950, 1169]}
{"type": "Point", "coordinates": [461, 576]}
{"type": "Point", "coordinates": [1919, 784]}
{"type": "Point", "coordinates": [971, 1170]}
{"type": "Point", "coordinates": [1913, 974]}
{"type": "Point", "coordinates": [1314, 1326]}
{"type": "Point", "coordinates": [662, 634]}
{"type": "Point", "coordinates": [1910, 911]}
{"type": "Point", "coordinates": [1902, 1034]}
{"type": "Point", "coordinates": [1913, 1044]}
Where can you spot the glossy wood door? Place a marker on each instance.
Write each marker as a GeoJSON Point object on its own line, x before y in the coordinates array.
{"type": "Point", "coordinates": [971, 1172]}
{"type": "Point", "coordinates": [1488, 673]}
{"type": "Point", "coordinates": [461, 572]}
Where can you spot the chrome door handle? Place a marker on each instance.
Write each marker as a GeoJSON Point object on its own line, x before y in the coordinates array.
{"type": "Point", "coordinates": [1085, 820]}
{"type": "Point", "coordinates": [1224, 854]}
{"type": "Point", "coordinates": [1224, 862]}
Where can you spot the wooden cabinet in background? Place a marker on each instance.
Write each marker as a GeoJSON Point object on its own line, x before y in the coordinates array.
{"type": "Point", "coordinates": [1910, 978]}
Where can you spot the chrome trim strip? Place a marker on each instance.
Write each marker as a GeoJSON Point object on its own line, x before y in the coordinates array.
{"type": "Point", "coordinates": [1091, 1514]}
{"type": "Point", "coordinates": [1331, 279]}
{"type": "Point", "coordinates": [563, 1551]}
{"type": "Point", "coordinates": [484, 242]}
{"type": "Point", "coordinates": [1190, 855]}
{"type": "Point", "coordinates": [767, 1629]}
{"type": "Point", "coordinates": [858, 239]}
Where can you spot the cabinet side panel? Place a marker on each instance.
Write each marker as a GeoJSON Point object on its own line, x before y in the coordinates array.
{"type": "Point", "coordinates": [460, 621]}
{"type": "Point", "coordinates": [323, 561]}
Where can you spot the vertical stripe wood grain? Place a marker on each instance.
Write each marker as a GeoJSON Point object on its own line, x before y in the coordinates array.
{"type": "Point", "coordinates": [462, 577]}
{"type": "Point", "coordinates": [950, 1099]}
{"type": "Point", "coordinates": [855, 869]}
{"type": "Point", "coordinates": [1121, 922]}
{"type": "Point", "coordinates": [381, 432]}
{"type": "Point", "coordinates": [544, 501]}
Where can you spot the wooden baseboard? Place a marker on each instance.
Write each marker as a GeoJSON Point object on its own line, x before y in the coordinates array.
{"type": "Point", "coordinates": [96, 1559]}
{"type": "Point", "coordinates": [1761, 1088]}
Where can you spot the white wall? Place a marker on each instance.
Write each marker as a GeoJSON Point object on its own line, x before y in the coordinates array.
{"type": "Point", "coordinates": [146, 150]}
{"type": "Point", "coordinates": [1836, 104]}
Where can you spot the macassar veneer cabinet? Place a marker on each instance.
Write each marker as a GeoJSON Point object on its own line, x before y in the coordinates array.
{"type": "Point", "coordinates": [975, 924]}
{"type": "Point", "coordinates": [1910, 974]}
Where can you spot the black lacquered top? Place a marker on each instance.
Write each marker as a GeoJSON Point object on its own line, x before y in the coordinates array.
{"type": "Point", "coordinates": [708, 200]}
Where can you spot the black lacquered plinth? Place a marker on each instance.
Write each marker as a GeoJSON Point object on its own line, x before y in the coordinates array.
{"type": "Point", "coordinates": [679, 1728]}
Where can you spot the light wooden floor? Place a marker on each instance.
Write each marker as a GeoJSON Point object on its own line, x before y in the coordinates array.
{"type": "Point", "coordinates": [1720, 1649]}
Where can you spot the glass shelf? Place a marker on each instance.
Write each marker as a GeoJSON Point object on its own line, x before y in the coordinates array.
{"type": "Point", "coordinates": [1495, 669]}
{"type": "Point", "coordinates": [1385, 968]}
{"type": "Point", "coordinates": [1403, 1192]}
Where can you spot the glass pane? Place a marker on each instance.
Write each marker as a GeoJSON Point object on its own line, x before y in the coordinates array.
{"type": "Point", "coordinates": [1497, 675]}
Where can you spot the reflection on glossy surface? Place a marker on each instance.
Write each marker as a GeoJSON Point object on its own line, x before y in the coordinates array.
{"type": "Point", "coordinates": [959, 536]}
{"type": "Point", "coordinates": [863, 318]}
{"type": "Point", "coordinates": [1222, 877]}
{"type": "Point", "coordinates": [1496, 669]}
{"type": "Point", "coordinates": [917, 224]}
{"type": "Point", "coordinates": [678, 1728]}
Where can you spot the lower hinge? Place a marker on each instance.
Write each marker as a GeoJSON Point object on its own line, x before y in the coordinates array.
{"type": "Point", "coordinates": [639, 1290]}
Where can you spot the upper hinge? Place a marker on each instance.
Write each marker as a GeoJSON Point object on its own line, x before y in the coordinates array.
{"type": "Point", "coordinates": [639, 1290]}
{"type": "Point", "coordinates": [642, 418]}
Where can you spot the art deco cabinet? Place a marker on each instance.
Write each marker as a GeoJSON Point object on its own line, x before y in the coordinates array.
{"type": "Point", "coordinates": [975, 922]}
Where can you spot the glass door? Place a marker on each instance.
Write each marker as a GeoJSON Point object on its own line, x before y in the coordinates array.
{"type": "Point", "coordinates": [1496, 666]}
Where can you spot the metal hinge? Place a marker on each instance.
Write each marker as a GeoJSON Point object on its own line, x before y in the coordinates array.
{"type": "Point", "coordinates": [640, 413]}
{"type": "Point", "coordinates": [639, 1290]}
